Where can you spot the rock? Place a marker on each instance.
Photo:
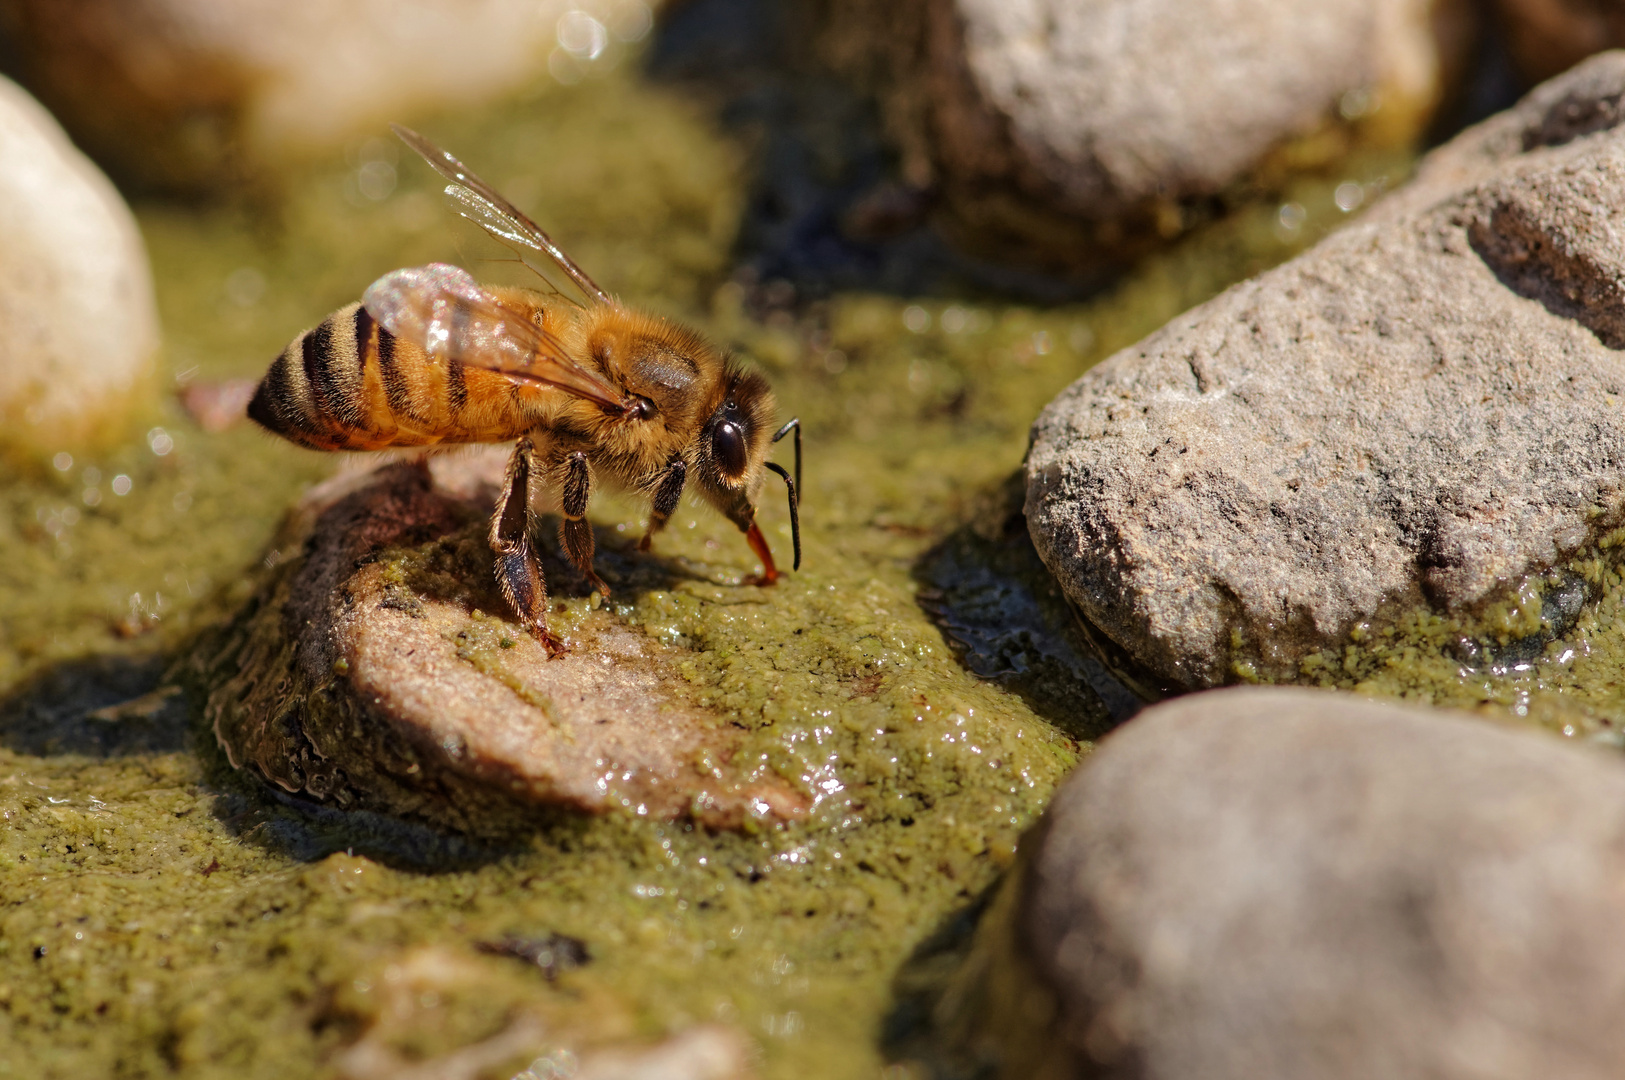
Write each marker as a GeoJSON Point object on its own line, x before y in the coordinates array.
{"type": "Point", "coordinates": [1418, 412]}
{"type": "Point", "coordinates": [1073, 130]}
{"type": "Point", "coordinates": [1286, 883]}
{"type": "Point", "coordinates": [1546, 37]}
{"type": "Point", "coordinates": [176, 93]}
{"type": "Point", "coordinates": [378, 668]}
{"type": "Point", "coordinates": [81, 325]}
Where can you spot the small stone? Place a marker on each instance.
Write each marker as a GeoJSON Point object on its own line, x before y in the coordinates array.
{"type": "Point", "coordinates": [1416, 412]}
{"type": "Point", "coordinates": [1072, 129]}
{"type": "Point", "coordinates": [377, 668]}
{"type": "Point", "coordinates": [1262, 883]}
{"type": "Point", "coordinates": [76, 300]}
{"type": "Point", "coordinates": [177, 93]}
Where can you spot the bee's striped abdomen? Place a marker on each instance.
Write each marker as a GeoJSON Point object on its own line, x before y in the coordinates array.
{"type": "Point", "coordinates": [349, 384]}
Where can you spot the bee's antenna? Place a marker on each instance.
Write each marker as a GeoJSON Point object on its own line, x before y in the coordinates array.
{"type": "Point", "coordinates": [795, 516]}
{"type": "Point", "coordinates": [795, 424]}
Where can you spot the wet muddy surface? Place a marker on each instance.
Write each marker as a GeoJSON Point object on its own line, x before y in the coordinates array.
{"type": "Point", "coordinates": [918, 688]}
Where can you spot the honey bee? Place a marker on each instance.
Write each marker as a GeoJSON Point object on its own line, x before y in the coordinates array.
{"type": "Point", "coordinates": [588, 390]}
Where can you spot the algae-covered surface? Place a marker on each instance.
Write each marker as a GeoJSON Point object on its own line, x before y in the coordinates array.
{"type": "Point", "coordinates": [163, 916]}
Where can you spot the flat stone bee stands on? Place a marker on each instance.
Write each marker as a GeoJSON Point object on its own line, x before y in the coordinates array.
{"type": "Point", "coordinates": [588, 390]}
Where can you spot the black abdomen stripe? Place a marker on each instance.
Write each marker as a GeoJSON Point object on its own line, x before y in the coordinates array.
{"type": "Point", "coordinates": [282, 402]}
{"type": "Point", "coordinates": [335, 392]}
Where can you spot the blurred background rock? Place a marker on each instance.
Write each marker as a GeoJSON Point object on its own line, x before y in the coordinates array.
{"type": "Point", "coordinates": [76, 296]}
{"type": "Point", "coordinates": [182, 96]}
{"type": "Point", "coordinates": [1034, 147]}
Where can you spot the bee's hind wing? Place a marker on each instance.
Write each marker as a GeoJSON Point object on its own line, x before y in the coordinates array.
{"type": "Point", "coordinates": [480, 203]}
{"type": "Point", "coordinates": [442, 310]}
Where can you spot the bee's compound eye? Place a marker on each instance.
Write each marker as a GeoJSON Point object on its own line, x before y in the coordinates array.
{"type": "Point", "coordinates": [728, 447]}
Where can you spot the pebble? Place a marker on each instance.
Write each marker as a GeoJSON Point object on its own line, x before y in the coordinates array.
{"type": "Point", "coordinates": [76, 299]}
{"type": "Point", "coordinates": [1416, 412]}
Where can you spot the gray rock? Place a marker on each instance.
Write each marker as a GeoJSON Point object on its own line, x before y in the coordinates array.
{"type": "Point", "coordinates": [1418, 411]}
{"type": "Point", "coordinates": [1290, 883]}
{"type": "Point", "coordinates": [376, 668]}
{"type": "Point", "coordinates": [76, 301]}
{"type": "Point", "coordinates": [1090, 122]}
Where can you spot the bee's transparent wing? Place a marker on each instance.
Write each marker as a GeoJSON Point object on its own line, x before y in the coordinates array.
{"type": "Point", "coordinates": [480, 203]}
{"type": "Point", "coordinates": [443, 311]}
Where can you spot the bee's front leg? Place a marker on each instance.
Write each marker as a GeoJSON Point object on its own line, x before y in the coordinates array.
{"type": "Point", "coordinates": [518, 574]}
{"type": "Point", "coordinates": [668, 493]}
{"type": "Point", "coordinates": [575, 533]}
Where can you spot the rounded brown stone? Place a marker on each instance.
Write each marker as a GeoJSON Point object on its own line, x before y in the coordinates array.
{"type": "Point", "coordinates": [376, 668]}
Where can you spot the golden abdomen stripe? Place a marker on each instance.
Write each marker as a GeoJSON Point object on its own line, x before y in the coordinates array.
{"type": "Point", "coordinates": [349, 384]}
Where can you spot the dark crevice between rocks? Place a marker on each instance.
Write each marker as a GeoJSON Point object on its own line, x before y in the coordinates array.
{"type": "Point", "coordinates": [1007, 620]}
{"type": "Point", "coordinates": [969, 1003]}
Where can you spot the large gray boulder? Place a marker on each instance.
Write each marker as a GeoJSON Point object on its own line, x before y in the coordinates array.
{"type": "Point", "coordinates": [1094, 123]}
{"type": "Point", "coordinates": [1420, 410]}
{"type": "Point", "coordinates": [1283, 883]}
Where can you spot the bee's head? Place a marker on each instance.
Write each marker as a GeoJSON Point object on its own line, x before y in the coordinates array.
{"type": "Point", "coordinates": [731, 458]}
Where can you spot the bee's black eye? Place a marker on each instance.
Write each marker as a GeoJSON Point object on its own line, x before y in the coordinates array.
{"type": "Point", "coordinates": [728, 447]}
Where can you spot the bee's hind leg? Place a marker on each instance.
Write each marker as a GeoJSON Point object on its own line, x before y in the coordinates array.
{"type": "Point", "coordinates": [519, 576]}
{"type": "Point", "coordinates": [575, 533]}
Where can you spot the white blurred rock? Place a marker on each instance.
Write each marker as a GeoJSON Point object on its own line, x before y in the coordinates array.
{"type": "Point", "coordinates": [76, 302]}
{"type": "Point", "coordinates": [210, 81]}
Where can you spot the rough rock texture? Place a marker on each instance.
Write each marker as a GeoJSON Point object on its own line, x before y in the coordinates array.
{"type": "Point", "coordinates": [1547, 36]}
{"type": "Point", "coordinates": [172, 92]}
{"type": "Point", "coordinates": [377, 669]}
{"type": "Point", "coordinates": [81, 326]}
{"type": "Point", "coordinates": [1288, 883]}
{"type": "Point", "coordinates": [1423, 408]}
{"type": "Point", "coordinates": [1058, 122]}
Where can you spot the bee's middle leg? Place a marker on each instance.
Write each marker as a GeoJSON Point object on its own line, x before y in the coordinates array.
{"type": "Point", "coordinates": [518, 574]}
{"type": "Point", "coordinates": [575, 532]}
{"type": "Point", "coordinates": [668, 494]}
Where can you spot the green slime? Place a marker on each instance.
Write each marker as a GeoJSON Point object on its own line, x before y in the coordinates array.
{"type": "Point", "coordinates": [162, 916]}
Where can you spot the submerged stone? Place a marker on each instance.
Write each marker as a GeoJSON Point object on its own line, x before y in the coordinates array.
{"type": "Point", "coordinates": [377, 668]}
{"type": "Point", "coordinates": [1418, 412]}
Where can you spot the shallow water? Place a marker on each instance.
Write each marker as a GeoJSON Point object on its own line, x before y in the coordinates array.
{"type": "Point", "coordinates": [919, 677]}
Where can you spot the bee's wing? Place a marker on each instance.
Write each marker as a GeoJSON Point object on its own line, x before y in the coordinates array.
{"type": "Point", "coordinates": [443, 311]}
{"type": "Point", "coordinates": [480, 203]}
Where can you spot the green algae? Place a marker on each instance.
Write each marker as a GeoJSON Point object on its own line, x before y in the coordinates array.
{"type": "Point", "coordinates": [160, 915]}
